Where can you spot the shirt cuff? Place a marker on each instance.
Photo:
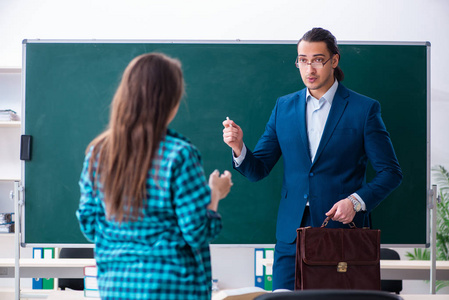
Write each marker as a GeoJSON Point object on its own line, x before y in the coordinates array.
{"type": "Point", "coordinates": [238, 160]}
{"type": "Point", "coordinates": [360, 200]}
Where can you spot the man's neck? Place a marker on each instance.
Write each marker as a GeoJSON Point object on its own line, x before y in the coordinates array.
{"type": "Point", "coordinates": [318, 94]}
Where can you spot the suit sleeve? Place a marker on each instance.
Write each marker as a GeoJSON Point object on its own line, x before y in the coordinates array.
{"type": "Point", "coordinates": [259, 163]}
{"type": "Point", "coordinates": [380, 152]}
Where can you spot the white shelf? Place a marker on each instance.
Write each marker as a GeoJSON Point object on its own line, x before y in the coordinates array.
{"type": "Point", "coordinates": [10, 131]}
{"type": "Point", "coordinates": [10, 123]}
{"type": "Point", "coordinates": [10, 70]}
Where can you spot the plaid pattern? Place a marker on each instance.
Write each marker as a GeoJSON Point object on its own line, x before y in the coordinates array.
{"type": "Point", "coordinates": [165, 254]}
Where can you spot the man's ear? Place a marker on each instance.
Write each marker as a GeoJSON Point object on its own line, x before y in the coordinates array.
{"type": "Point", "coordinates": [335, 60]}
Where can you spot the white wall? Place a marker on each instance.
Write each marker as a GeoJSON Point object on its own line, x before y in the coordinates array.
{"type": "Point", "coordinates": [348, 20]}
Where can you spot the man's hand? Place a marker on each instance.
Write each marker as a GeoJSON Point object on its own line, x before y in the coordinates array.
{"type": "Point", "coordinates": [342, 211]}
{"type": "Point", "coordinates": [233, 136]}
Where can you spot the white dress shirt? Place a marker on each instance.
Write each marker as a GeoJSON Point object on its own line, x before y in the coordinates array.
{"type": "Point", "coordinates": [317, 111]}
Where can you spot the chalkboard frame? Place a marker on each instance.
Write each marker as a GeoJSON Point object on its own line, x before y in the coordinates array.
{"type": "Point", "coordinates": [426, 44]}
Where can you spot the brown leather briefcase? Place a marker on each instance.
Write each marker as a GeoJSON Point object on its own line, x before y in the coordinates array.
{"type": "Point", "coordinates": [328, 258]}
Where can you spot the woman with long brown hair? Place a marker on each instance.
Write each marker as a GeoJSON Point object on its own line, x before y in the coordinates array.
{"type": "Point", "coordinates": [145, 201]}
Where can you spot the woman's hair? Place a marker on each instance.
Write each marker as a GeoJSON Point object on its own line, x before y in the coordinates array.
{"type": "Point", "coordinates": [151, 88]}
{"type": "Point", "coordinates": [322, 35]}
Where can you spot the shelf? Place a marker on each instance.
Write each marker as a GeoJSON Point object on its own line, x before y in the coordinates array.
{"type": "Point", "coordinates": [10, 123]}
{"type": "Point", "coordinates": [10, 70]}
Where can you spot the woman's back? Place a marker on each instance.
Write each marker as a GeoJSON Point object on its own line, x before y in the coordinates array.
{"type": "Point", "coordinates": [170, 241]}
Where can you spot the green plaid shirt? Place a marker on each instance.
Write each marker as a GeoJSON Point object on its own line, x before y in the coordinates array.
{"type": "Point", "coordinates": [165, 254]}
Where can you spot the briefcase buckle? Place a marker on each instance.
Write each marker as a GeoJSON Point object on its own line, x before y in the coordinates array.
{"type": "Point", "coordinates": [342, 267]}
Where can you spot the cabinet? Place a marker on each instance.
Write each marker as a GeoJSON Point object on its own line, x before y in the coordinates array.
{"type": "Point", "coordinates": [10, 164]}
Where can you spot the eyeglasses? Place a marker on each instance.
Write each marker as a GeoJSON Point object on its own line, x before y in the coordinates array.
{"type": "Point", "coordinates": [316, 63]}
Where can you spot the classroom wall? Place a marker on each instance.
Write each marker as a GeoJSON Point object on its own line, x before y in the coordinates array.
{"type": "Point", "coordinates": [348, 20]}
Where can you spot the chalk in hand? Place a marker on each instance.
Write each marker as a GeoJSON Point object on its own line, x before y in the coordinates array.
{"type": "Point", "coordinates": [227, 118]}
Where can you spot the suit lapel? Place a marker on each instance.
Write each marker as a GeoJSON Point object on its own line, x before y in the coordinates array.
{"type": "Point", "coordinates": [301, 123]}
{"type": "Point", "coordinates": [338, 107]}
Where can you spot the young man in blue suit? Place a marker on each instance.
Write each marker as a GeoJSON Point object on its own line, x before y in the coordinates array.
{"type": "Point", "coordinates": [326, 134]}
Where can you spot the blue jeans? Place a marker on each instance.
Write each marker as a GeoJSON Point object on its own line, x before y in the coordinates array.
{"type": "Point", "coordinates": [284, 260]}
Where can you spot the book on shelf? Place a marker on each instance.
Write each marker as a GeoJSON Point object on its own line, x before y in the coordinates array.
{"type": "Point", "coordinates": [263, 268]}
{"type": "Point", "coordinates": [37, 282]}
{"type": "Point", "coordinates": [48, 283]}
{"type": "Point", "coordinates": [8, 115]}
{"type": "Point", "coordinates": [259, 280]}
{"type": "Point", "coordinates": [7, 228]}
{"type": "Point", "coordinates": [91, 293]}
{"type": "Point", "coordinates": [90, 270]}
{"type": "Point", "coordinates": [6, 222]}
{"type": "Point", "coordinates": [268, 268]}
{"type": "Point", "coordinates": [90, 282]}
{"type": "Point", "coordinates": [6, 218]}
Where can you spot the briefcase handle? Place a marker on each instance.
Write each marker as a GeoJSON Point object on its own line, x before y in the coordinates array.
{"type": "Point", "coordinates": [352, 224]}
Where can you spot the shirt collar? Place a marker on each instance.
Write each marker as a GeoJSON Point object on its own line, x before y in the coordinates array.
{"type": "Point", "coordinates": [328, 96]}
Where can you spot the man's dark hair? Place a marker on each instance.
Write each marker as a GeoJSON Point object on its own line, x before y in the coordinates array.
{"type": "Point", "coordinates": [318, 34]}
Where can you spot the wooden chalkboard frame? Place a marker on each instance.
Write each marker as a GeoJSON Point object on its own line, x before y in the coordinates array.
{"type": "Point", "coordinates": [250, 138]}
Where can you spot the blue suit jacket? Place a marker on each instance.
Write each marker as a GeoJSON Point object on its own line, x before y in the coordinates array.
{"type": "Point", "coordinates": [354, 133]}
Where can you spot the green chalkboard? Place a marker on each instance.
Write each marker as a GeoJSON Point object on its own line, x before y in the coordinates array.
{"type": "Point", "coordinates": [69, 86]}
